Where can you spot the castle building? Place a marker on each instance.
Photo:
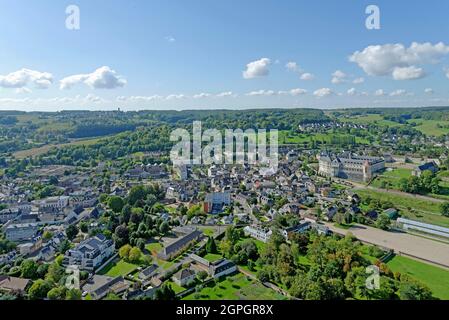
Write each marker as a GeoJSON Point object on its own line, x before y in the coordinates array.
{"type": "Point", "coordinates": [349, 166]}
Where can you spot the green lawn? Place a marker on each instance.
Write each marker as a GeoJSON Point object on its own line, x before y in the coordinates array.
{"type": "Point", "coordinates": [120, 268]}
{"type": "Point", "coordinates": [176, 288]}
{"type": "Point", "coordinates": [370, 119]}
{"type": "Point", "coordinates": [290, 137]}
{"type": "Point", "coordinates": [431, 127]}
{"type": "Point", "coordinates": [392, 178]}
{"type": "Point", "coordinates": [208, 232]}
{"type": "Point", "coordinates": [212, 257]}
{"type": "Point", "coordinates": [412, 208]}
{"type": "Point", "coordinates": [437, 279]}
{"type": "Point", "coordinates": [154, 248]}
{"type": "Point", "coordinates": [237, 287]}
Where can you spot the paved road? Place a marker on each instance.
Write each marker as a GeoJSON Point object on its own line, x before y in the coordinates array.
{"type": "Point", "coordinates": [425, 249]}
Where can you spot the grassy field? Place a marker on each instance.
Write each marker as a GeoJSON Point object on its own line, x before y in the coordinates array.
{"type": "Point", "coordinates": [431, 127]}
{"type": "Point", "coordinates": [392, 178]}
{"type": "Point", "coordinates": [435, 278]}
{"type": "Point", "coordinates": [237, 287]}
{"type": "Point", "coordinates": [44, 149]}
{"type": "Point", "coordinates": [289, 137]}
{"type": "Point", "coordinates": [212, 257]}
{"type": "Point", "coordinates": [370, 119]}
{"type": "Point", "coordinates": [410, 207]}
{"type": "Point", "coordinates": [176, 288]}
{"type": "Point", "coordinates": [118, 268]}
{"type": "Point", "coordinates": [208, 231]}
{"type": "Point", "coordinates": [154, 248]}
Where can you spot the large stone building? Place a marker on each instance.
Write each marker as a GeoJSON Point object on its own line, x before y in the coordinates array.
{"type": "Point", "coordinates": [350, 166]}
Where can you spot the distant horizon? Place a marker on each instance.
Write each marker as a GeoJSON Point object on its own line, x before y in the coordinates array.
{"type": "Point", "coordinates": [222, 109]}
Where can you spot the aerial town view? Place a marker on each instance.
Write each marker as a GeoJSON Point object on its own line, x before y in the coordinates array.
{"type": "Point", "coordinates": [247, 150]}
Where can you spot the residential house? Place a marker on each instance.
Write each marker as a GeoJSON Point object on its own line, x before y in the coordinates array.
{"type": "Point", "coordinates": [90, 253]}
{"type": "Point", "coordinates": [184, 277]}
{"type": "Point", "coordinates": [222, 268]}
{"type": "Point", "coordinates": [98, 287]}
{"type": "Point", "coordinates": [21, 232]}
{"type": "Point", "coordinates": [257, 232]}
{"type": "Point", "coordinates": [13, 285]}
{"type": "Point", "coordinates": [148, 272]}
{"type": "Point", "coordinates": [302, 227]}
{"type": "Point", "coordinates": [429, 166]}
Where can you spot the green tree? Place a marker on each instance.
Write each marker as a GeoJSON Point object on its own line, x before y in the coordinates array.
{"type": "Point", "coordinates": [383, 222]}
{"type": "Point", "coordinates": [165, 293]}
{"type": "Point", "coordinates": [73, 294]}
{"type": "Point", "coordinates": [28, 269]}
{"type": "Point", "coordinates": [137, 194]}
{"type": "Point", "coordinates": [124, 251]}
{"type": "Point", "coordinates": [57, 293]}
{"type": "Point", "coordinates": [116, 203]}
{"type": "Point", "coordinates": [112, 296]}
{"type": "Point", "coordinates": [71, 231]}
{"type": "Point", "coordinates": [202, 275]}
{"type": "Point", "coordinates": [211, 246]}
{"type": "Point", "coordinates": [39, 289]}
{"type": "Point", "coordinates": [134, 255]}
{"type": "Point", "coordinates": [164, 228]}
{"type": "Point", "coordinates": [413, 290]}
{"type": "Point", "coordinates": [444, 209]}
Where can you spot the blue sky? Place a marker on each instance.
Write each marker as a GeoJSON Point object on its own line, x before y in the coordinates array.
{"type": "Point", "coordinates": [193, 54]}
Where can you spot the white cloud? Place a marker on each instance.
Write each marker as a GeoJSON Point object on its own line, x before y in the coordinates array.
{"type": "Point", "coordinates": [261, 93]}
{"type": "Point", "coordinates": [323, 92]}
{"type": "Point", "coordinates": [293, 92]}
{"type": "Point", "coordinates": [358, 81]}
{"type": "Point", "coordinates": [293, 66]}
{"type": "Point", "coordinates": [139, 98]}
{"type": "Point", "coordinates": [175, 97]}
{"type": "Point", "coordinates": [23, 77]}
{"type": "Point", "coordinates": [379, 93]}
{"type": "Point", "coordinates": [257, 69]}
{"type": "Point", "coordinates": [397, 93]}
{"type": "Point", "coordinates": [429, 91]}
{"type": "Point", "coordinates": [408, 73]}
{"type": "Point", "coordinates": [170, 39]}
{"type": "Point", "coordinates": [201, 95]}
{"type": "Point", "coordinates": [338, 77]}
{"type": "Point", "coordinates": [307, 76]}
{"type": "Point", "coordinates": [102, 78]}
{"type": "Point", "coordinates": [352, 92]}
{"type": "Point", "coordinates": [446, 71]}
{"type": "Point", "coordinates": [385, 60]}
{"type": "Point", "coordinates": [298, 92]}
{"type": "Point", "coordinates": [225, 94]}
{"type": "Point", "coordinates": [23, 90]}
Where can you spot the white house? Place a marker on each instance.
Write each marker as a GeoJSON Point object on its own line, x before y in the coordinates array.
{"type": "Point", "coordinates": [258, 233]}
{"type": "Point", "coordinates": [90, 253]}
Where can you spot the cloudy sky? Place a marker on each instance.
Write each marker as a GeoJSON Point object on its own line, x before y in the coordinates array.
{"type": "Point", "coordinates": [200, 54]}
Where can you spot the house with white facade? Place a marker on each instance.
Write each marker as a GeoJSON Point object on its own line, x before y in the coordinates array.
{"type": "Point", "coordinates": [90, 253]}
